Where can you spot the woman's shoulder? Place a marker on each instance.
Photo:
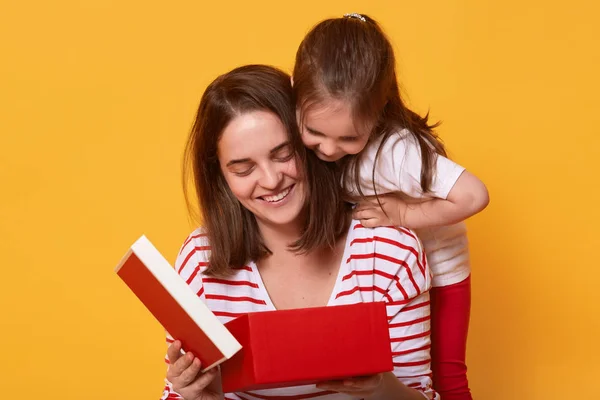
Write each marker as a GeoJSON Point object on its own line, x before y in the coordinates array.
{"type": "Point", "coordinates": [392, 254]}
{"type": "Point", "coordinates": [386, 244]}
{"type": "Point", "coordinates": [197, 237]}
{"type": "Point", "coordinates": [194, 251]}
{"type": "Point", "coordinates": [389, 238]}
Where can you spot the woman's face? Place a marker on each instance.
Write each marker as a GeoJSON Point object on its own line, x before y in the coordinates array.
{"type": "Point", "coordinates": [260, 167]}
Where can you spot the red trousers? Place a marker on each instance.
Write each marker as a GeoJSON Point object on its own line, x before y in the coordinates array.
{"type": "Point", "coordinates": [450, 311]}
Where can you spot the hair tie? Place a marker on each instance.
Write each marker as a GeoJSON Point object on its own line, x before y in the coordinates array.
{"type": "Point", "coordinates": [355, 16]}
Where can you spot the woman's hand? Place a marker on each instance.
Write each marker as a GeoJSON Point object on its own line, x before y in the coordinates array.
{"type": "Point", "coordinates": [362, 387]}
{"type": "Point", "coordinates": [186, 378]}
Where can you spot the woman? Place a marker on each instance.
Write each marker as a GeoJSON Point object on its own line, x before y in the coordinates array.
{"type": "Point", "coordinates": [272, 215]}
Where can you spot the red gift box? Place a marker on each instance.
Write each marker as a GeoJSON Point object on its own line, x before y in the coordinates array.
{"type": "Point", "coordinates": [305, 346]}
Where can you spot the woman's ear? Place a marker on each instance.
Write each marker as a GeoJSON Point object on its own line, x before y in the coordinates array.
{"type": "Point", "coordinates": [292, 80]}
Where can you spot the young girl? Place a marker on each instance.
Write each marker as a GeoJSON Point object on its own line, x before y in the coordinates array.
{"type": "Point", "coordinates": [350, 112]}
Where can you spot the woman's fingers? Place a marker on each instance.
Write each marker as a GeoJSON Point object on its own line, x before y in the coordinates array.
{"type": "Point", "coordinates": [204, 380]}
{"type": "Point", "coordinates": [359, 385]}
{"type": "Point", "coordinates": [336, 386]}
{"type": "Point", "coordinates": [174, 352]}
{"type": "Point", "coordinates": [188, 375]}
{"type": "Point", "coordinates": [363, 382]}
{"type": "Point", "coordinates": [181, 364]}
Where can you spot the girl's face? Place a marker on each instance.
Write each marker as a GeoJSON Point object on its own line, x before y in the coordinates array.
{"type": "Point", "coordinates": [259, 165]}
{"type": "Point", "coordinates": [330, 131]}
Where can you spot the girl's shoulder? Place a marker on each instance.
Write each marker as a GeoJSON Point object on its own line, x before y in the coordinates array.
{"type": "Point", "coordinates": [397, 142]}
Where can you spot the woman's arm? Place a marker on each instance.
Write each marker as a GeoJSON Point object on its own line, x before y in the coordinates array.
{"type": "Point", "coordinates": [193, 254]}
{"type": "Point", "coordinates": [409, 319]}
{"type": "Point", "coordinates": [392, 388]}
{"type": "Point", "coordinates": [376, 387]}
{"type": "Point", "coordinates": [403, 279]}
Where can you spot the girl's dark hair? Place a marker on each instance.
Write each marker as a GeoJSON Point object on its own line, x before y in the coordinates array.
{"type": "Point", "coordinates": [351, 59]}
{"type": "Point", "coordinates": [232, 230]}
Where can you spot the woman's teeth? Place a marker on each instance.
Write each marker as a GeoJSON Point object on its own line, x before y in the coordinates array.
{"type": "Point", "coordinates": [278, 196]}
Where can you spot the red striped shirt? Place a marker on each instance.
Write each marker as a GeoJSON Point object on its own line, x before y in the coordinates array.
{"type": "Point", "coordinates": [382, 264]}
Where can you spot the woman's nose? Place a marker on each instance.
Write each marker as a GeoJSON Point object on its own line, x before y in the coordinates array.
{"type": "Point", "coordinates": [270, 178]}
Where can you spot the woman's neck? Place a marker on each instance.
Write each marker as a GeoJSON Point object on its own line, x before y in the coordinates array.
{"type": "Point", "coordinates": [296, 280]}
{"type": "Point", "coordinates": [278, 238]}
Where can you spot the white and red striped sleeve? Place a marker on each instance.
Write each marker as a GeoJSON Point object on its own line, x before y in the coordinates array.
{"type": "Point", "coordinates": [408, 311]}
{"type": "Point", "coordinates": [191, 261]}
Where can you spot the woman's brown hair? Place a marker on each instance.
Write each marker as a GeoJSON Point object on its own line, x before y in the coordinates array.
{"type": "Point", "coordinates": [351, 59]}
{"type": "Point", "coordinates": [231, 229]}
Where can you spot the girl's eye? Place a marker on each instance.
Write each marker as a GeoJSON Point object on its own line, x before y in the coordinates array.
{"type": "Point", "coordinates": [349, 138]}
{"type": "Point", "coordinates": [313, 132]}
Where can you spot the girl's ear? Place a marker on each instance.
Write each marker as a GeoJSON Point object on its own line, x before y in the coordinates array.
{"type": "Point", "coordinates": [292, 80]}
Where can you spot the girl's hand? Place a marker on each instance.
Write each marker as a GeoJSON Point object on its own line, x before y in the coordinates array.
{"type": "Point", "coordinates": [186, 378]}
{"type": "Point", "coordinates": [391, 212]}
{"type": "Point", "coordinates": [362, 387]}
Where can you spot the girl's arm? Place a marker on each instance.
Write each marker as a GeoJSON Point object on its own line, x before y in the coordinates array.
{"type": "Point", "coordinates": [453, 195]}
{"type": "Point", "coordinates": [467, 197]}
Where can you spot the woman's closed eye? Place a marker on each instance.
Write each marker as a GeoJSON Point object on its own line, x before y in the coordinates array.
{"type": "Point", "coordinates": [283, 154]}
{"type": "Point", "coordinates": [242, 169]}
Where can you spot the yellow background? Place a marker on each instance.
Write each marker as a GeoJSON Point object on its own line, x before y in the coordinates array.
{"type": "Point", "coordinates": [97, 97]}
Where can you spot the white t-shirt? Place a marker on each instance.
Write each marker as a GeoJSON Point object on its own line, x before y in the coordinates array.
{"type": "Point", "coordinates": [399, 169]}
{"type": "Point", "coordinates": [382, 264]}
